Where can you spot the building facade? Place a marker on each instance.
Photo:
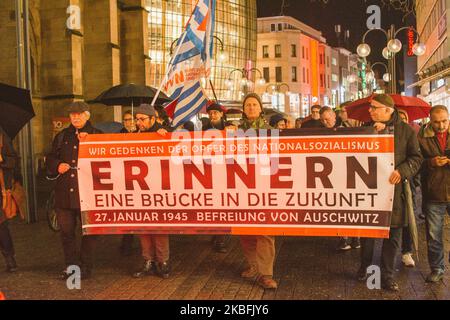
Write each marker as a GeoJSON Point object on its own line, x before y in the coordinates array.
{"type": "Point", "coordinates": [235, 29]}
{"type": "Point", "coordinates": [79, 48]}
{"type": "Point", "coordinates": [296, 64]}
{"type": "Point", "coordinates": [433, 25]}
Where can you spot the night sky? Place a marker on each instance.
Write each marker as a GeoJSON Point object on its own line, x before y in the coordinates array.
{"type": "Point", "coordinates": [350, 14]}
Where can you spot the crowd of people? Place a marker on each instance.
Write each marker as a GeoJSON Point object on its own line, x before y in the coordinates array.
{"type": "Point", "coordinates": [422, 162]}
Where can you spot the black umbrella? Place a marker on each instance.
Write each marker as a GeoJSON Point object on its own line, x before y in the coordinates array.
{"type": "Point", "coordinates": [16, 109]}
{"type": "Point", "coordinates": [130, 95]}
{"type": "Point", "coordinates": [109, 127]}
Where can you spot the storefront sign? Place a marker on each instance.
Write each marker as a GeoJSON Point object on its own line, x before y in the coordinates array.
{"type": "Point", "coordinates": [411, 42]}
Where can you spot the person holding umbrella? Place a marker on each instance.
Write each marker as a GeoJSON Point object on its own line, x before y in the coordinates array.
{"type": "Point", "coordinates": [434, 141]}
{"type": "Point", "coordinates": [408, 159]}
{"type": "Point", "coordinates": [62, 163]}
{"type": "Point", "coordinates": [7, 163]}
{"type": "Point", "coordinates": [16, 110]}
{"type": "Point", "coordinates": [154, 247]}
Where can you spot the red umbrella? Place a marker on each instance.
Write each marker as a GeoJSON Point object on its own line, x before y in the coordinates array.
{"type": "Point", "coordinates": [415, 107]}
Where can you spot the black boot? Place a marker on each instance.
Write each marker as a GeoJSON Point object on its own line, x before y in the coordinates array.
{"type": "Point", "coordinates": [163, 269]}
{"type": "Point", "coordinates": [147, 269]}
{"type": "Point", "coordinates": [11, 265]}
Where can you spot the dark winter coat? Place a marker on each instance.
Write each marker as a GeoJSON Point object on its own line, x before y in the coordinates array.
{"type": "Point", "coordinates": [435, 180]}
{"type": "Point", "coordinates": [408, 160]}
{"type": "Point", "coordinates": [65, 150]}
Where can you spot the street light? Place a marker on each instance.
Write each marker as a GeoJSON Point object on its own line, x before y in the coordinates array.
{"type": "Point", "coordinates": [223, 56]}
{"type": "Point", "coordinates": [245, 79]}
{"type": "Point", "coordinates": [370, 75]}
{"type": "Point", "coordinates": [393, 46]}
{"type": "Point", "coordinates": [276, 89]}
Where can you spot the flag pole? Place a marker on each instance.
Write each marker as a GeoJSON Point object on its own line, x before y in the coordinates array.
{"type": "Point", "coordinates": [168, 70]}
{"type": "Point", "coordinates": [214, 91]}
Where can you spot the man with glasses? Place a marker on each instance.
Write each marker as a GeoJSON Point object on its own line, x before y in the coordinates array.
{"type": "Point", "coordinates": [408, 159]}
{"type": "Point", "coordinates": [154, 247]}
{"type": "Point", "coordinates": [314, 120]}
{"type": "Point", "coordinates": [128, 122]}
{"type": "Point", "coordinates": [62, 162]}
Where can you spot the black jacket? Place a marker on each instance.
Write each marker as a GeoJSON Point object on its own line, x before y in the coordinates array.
{"type": "Point", "coordinates": [7, 164]}
{"type": "Point", "coordinates": [435, 180]}
{"type": "Point", "coordinates": [408, 160]}
{"type": "Point", "coordinates": [65, 150]}
{"type": "Point", "coordinates": [312, 124]}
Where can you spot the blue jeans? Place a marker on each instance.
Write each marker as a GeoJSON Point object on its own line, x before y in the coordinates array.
{"type": "Point", "coordinates": [435, 213]}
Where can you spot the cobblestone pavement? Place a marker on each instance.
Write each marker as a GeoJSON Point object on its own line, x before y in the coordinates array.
{"type": "Point", "coordinates": [306, 268]}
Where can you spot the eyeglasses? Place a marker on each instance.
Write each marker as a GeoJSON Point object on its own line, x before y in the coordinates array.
{"type": "Point", "coordinates": [141, 119]}
{"type": "Point", "coordinates": [373, 108]}
{"type": "Point", "coordinates": [130, 119]}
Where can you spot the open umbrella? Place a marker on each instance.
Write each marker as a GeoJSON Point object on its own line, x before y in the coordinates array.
{"type": "Point", "coordinates": [109, 127]}
{"type": "Point", "coordinates": [412, 225]}
{"type": "Point", "coordinates": [415, 107]}
{"type": "Point", "coordinates": [130, 95]}
{"type": "Point", "coordinates": [16, 109]}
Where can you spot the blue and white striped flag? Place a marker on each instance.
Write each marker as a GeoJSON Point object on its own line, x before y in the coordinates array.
{"type": "Point", "coordinates": [190, 64]}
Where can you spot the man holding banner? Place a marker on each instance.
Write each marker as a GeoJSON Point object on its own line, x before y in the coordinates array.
{"type": "Point", "coordinates": [155, 247]}
{"type": "Point", "coordinates": [62, 163]}
{"type": "Point", "coordinates": [408, 160]}
{"type": "Point", "coordinates": [258, 250]}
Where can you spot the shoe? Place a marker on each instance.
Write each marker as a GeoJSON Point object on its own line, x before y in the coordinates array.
{"type": "Point", "coordinates": [390, 285]}
{"type": "Point", "coordinates": [408, 260]}
{"type": "Point", "coordinates": [343, 245]}
{"type": "Point", "coordinates": [147, 269]}
{"type": "Point", "coordinates": [356, 243]}
{"type": "Point", "coordinates": [11, 265]}
{"type": "Point", "coordinates": [435, 276]}
{"type": "Point", "coordinates": [250, 272]}
{"type": "Point", "coordinates": [220, 246]}
{"type": "Point", "coordinates": [361, 275]}
{"type": "Point", "coordinates": [267, 282]}
{"type": "Point", "coordinates": [163, 269]}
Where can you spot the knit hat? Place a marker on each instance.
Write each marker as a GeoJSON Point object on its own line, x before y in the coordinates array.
{"type": "Point", "coordinates": [385, 100]}
{"type": "Point", "coordinates": [275, 119]}
{"type": "Point", "coordinates": [253, 95]}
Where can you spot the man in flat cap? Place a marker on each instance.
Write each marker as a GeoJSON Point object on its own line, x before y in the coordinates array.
{"type": "Point", "coordinates": [408, 160]}
{"type": "Point", "coordinates": [154, 247]}
{"type": "Point", "coordinates": [216, 117]}
{"type": "Point", "coordinates": [62, 163]}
